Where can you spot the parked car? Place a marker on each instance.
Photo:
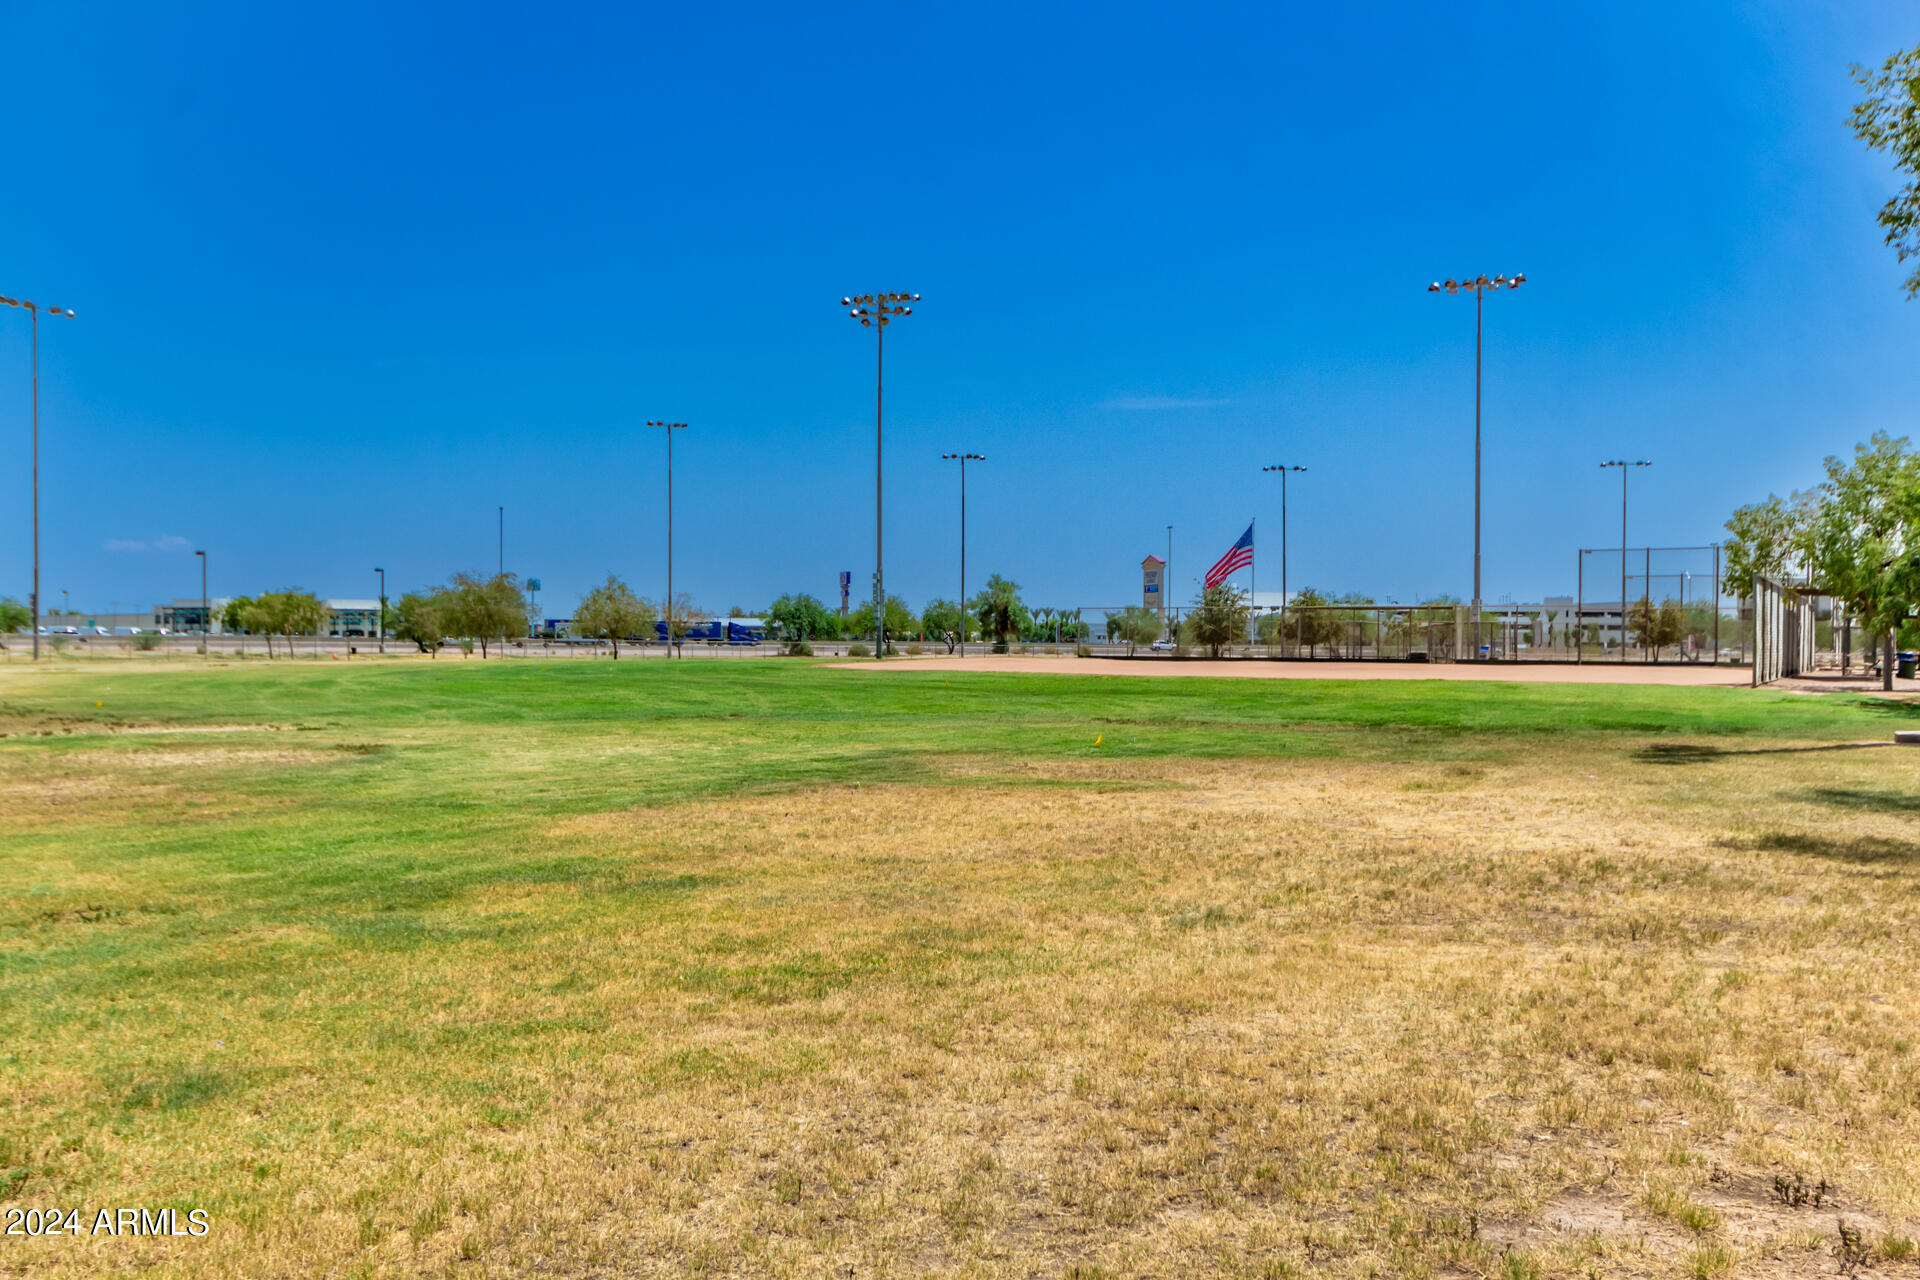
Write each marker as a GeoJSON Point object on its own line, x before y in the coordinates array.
{"type": "Point", "coordinates": [1164, 644]}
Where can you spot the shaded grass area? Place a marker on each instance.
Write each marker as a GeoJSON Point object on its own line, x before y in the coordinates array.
{"type": "Point", "coordinates": [776, 969]}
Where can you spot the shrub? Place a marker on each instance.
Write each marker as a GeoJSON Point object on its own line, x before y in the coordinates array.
{"type": "Point", "coordinates": [1083, 650]}
{"type": "Point", "coordinates": [858, 650]}
{"type": "Point", "coordinates": [914, 651]}
{"type": "Point", "coordinates": [146, 641]}
{"type": "Point", "coordinates": [799, 649]}
{"type": "Point", "coordinates": [466, 644]}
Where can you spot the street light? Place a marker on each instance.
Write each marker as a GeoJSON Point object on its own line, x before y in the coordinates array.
{"type": "Point", "coordinates": [34, 310]}
{"type": "Point", "coordinates": [963, 459]}
{"type": "Point", "coordinates": [666, 611]}
{"type": "Point", "coordinates": [1625, 467]}
{"type": "Point", "coordinates": [876, 311]}
{"type": "Point", "coordinates": [380, 618]}
{"type": "Point", "coordinates": [1479, 285]}
{"type": "Point", "coordinates": [206, 614]}
{"type": "Point", "coordinates": [1283, 468]}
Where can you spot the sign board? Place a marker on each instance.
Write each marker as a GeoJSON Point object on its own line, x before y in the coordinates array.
{"type": "Point", "coordinates": [1152, 581]}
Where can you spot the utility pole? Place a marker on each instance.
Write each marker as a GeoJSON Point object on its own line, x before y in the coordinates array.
{"type": "Point", "coordinates": [963, 459]}
{"type": "Point", "coordinates": [1479, 286]}
{"type": "Point", "coordinates": [666, 609]}
{"type": "Point", "coordinates": [876, 311]}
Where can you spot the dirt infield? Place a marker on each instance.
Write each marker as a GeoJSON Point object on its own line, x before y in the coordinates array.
{"type": "Point", "coordinates": [1254, 669]}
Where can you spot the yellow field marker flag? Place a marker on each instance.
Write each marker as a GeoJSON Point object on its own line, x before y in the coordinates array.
{"type": "Point", "coordinates": [1102, 738]}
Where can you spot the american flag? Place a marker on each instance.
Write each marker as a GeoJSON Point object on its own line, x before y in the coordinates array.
{"type": "Point", "coordinates": [1238, 557]}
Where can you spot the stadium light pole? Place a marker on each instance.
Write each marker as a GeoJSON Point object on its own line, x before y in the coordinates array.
{"type": "Point", "coordinates": [1283, 468]}
{"type": "Point", "coordinates": [1166, 585]}
{"type": "Point", "coordinates": [33, 310]}
{"type": "Point", "coordinates": [1625, 467]}
{"type": "Point", "coordinates": [963, 459]}
{"type": "Point", "coordinates": [666, 611]}
{"type": "Point", "coordinates": [206, 614]}
{"type": "Point", "coordinates": [380, 618]}
{"type": "Point", "coordinates": [876, 311]}
{"type": "Point", "coordinates": [1479, 285]}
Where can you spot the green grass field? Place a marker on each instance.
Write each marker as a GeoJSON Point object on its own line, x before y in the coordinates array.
{"type": "Point", "coordinates": [463, 968]}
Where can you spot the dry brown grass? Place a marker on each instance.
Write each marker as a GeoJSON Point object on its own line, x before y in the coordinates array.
{"type": "Point", "coordinates": [1505, 1018]}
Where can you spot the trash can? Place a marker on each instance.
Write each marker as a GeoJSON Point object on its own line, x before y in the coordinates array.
{"type": "Point", "coordinates": [1905, 668]}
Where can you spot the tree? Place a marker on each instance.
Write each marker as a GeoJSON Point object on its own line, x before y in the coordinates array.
{"type": "Point", "coordinates": [945, 620]}
{"type": "Point", "coordinates": [1769, 540]}
{"type": "Point", "coordinates": [899, 620]}
{"type": "Point", "coordinates": [681, 616]}
{"type": "Point", "coordinates": [487, 609]}
{"type": "Point", "coordinates": [14, 616]}
{"type": "Point", "coordinates": [1863, 537]}
{"type": "Point", "coordinates": [1856, 536]}
{"type": "Point", "coordinates": [289, 613]}
{"type": "Point", "coordinates": [1220, 617]}
{"type": "Point", "coordinates": [1135, 625]}
{"type": "Point", "coordinates": [422, 619]}
{"type": "Point", "coordinates": [1657, 627]}
{"type": "Point", "coordinates": [1309, 621]}
{"type": "Point", "coordinates": [233, 617]}
{"type": "Point", "coordinates": [612, 612]}
{"type": "Point", "coordinates": [1888, 119]}
{"type": "Point", "coordinates": [796, 618]}
{"type": "Point", "coordinates": [999, 610]}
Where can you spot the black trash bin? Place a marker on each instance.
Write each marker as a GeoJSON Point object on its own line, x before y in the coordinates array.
{"type": "Point", "coordinates": [1904, 669]}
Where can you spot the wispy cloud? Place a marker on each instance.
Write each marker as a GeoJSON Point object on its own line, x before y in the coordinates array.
{"type": "Point", "coordinates": [166, 542]}
{"type": "Point", "coordinates": [1136, 403]}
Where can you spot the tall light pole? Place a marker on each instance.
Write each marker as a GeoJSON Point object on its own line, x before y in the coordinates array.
{"type": "Point", "coordinates": [502, 570]}
{"type": "Point", "coordinates": [1166, 585]}
{"type": "Point", "coordinates": [666, 610]}
{"type": "Point", "coordinates": [206, 614]}
{"type": "Point", "coordinates": [1624, 468]}
{"type": "Point", "coordinates": [876, 311]}
{"type": "Point", "coordinates": [963, 459]}
{"type": "Point", "coordinates": [1283, 468]}
{"type": "Point", "coordinates": [1479, 286]}
{"type": "Point", "coordinates": [33, 310]}
{"type": "Point", "coordinates": [380, 618]}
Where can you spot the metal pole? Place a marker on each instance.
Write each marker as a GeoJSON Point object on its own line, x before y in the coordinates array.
{"type": "Point", "coordinates": [879, 583]}
{"type": "Point", "coordinates": [380, 618]}
{"type": "Point", "coordinates": [1579, 606]}
{"type": "Point", "coordinates": [1479, 304]}
{"type": "Point", "coordinates": [1623, 562]}
{"type": "Point", "coordinates": [1646, 593]}
{"type": "Point", "coordinates": [35, 312]}
{"type": "Point", "coordinates": [1716, 607]}
{"type": "Point", "coordinates": [206, 613]}
{"type": "Point", "coordinates": [963, 557]}
{"type": "Point", "coordinates": [1166, 614]}
{"type": "Point", "coordinates": [668, 611]}
{"type": "Point", "coordinates": [1283, 544]}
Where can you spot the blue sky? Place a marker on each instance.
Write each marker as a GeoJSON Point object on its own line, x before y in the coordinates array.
{"type": "Point", "coordinates": [352, 276]}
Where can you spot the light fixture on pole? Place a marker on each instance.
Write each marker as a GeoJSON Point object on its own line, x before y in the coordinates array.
{"type": "Point", "coordinates": [206, 614]}
{"type": "Point", "coordinates": [666, 607]}
{"type": "Point", "coordinates": [34, 596]}
{"type": "Point", "coordinates": [1283, 468]}
{"type": "Point", "coordinates": [1625, 467]}
{"type": "Point", "coordinates": [1478, 285]}
{"type": "Point", "coordinates": [876, 311]}
{"type": "Point", "coordinates": [380, 618]}
{"type": "Point", "coordinates": [963, 459]}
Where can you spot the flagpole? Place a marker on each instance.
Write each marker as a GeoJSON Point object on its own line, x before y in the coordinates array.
{"type": "Point", "coordinates": [1253, 594]}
